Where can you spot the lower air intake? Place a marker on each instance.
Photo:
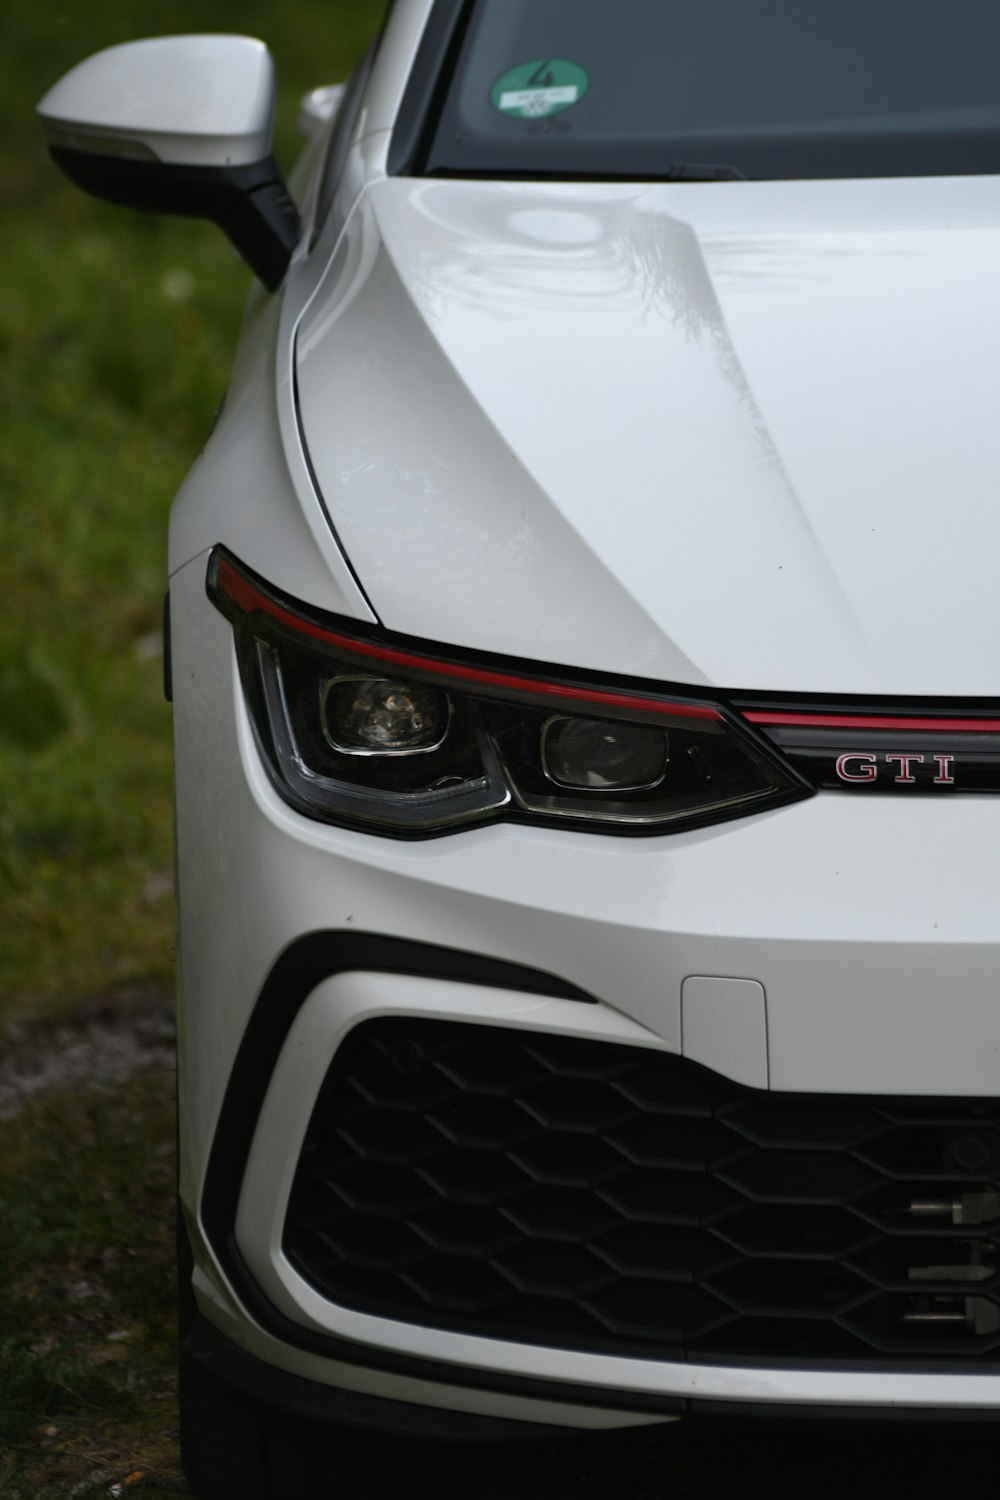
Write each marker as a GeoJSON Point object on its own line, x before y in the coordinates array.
{"type": "Point", "coordinates": [613, 1199]}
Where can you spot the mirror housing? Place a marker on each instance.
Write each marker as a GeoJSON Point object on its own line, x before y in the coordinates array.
{"type": "Point", "coordinates": [180, 125]}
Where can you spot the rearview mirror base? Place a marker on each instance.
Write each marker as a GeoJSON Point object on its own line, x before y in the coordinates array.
{"type": "Point", "coordinates": [249, 203]}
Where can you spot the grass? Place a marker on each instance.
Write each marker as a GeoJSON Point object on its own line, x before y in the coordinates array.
{"type": "Point", "coordinates": [86, 1242]}
{"type": "Point", "coordinates": [116, 337]}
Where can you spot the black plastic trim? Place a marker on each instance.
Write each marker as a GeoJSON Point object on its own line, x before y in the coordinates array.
{"type": "Point", "coordinates": [862, 703]}
{"type": "Point", "coordinates": [705, 1411]}
{"type": "Point", "coordinates": [917, 155]}
{"type": "Point", "coordinates": [418, 113]}
{"type": "Point", "coordinates": [168, 666]}
{"type": "Point", "coordinates": [249, 203]}
{"type": "Point", "coordinates": [295, 974]}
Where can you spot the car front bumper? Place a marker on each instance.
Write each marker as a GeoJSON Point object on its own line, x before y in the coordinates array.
{"type": "Point", "coordinates": [841, 946]}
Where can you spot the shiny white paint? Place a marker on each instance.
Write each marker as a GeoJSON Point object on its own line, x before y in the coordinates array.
{"type": "Point", "coordinates": [724, 1026]}
{"type": "Point", "coordinates": [736, 433]}
{"type": "Point", "coordinates": [252, 481]}
{"type": "Point", "coordinates": [204, 101]}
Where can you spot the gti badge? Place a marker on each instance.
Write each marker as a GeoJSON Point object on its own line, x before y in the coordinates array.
{"type": "Point", "coordinates": [855, 766]}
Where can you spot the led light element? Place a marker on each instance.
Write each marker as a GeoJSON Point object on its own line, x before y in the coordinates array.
{"type": "Point", "coordinates": [357, 728]}
{"type": "Point", "coordinates": [598, 753]}
{"type": "Point", "coordinates": [379, 716]}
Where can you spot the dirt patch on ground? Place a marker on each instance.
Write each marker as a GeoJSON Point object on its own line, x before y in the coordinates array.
{"type": "Point", "coordinates": [127, 1032]}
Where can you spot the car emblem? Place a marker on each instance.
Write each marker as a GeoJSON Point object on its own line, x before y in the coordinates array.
{"type": "Point", "coordinates": [897, 766]}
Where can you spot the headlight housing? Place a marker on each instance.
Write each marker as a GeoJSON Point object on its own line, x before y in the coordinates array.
{"type": "Point", "coordinates": [356, 729]}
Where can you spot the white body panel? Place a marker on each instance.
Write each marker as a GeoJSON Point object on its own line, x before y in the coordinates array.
{"type": "Point", "coordinates": [254, 466]}
{"type": "Point", "coordinates": [598, 424]}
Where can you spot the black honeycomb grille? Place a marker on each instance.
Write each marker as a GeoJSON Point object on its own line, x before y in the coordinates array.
{"type": "Point", "coordinates": [536, 1188]}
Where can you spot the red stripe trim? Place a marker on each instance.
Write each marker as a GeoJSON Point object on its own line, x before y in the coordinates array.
{"type": "Point", "coordinates": [249, 598]}
{"type": "Point", "coordinates": [872, 721]}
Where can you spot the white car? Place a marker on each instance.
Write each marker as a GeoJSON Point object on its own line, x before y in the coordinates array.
{"type": "Point", "coordinates": [583, 627]}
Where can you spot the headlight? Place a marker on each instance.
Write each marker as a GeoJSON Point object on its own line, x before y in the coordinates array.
{"type": "Point", "coordinates": [356, 729]}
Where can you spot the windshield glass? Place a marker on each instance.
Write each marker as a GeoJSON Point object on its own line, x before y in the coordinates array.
{"type": "Point", "coordinates": [719, 88]}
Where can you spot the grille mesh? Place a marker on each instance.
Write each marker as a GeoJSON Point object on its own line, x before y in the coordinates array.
{"type": "Point", "coordinates": [606, 1198]}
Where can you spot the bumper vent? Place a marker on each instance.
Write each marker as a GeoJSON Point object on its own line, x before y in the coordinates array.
{"type": "Point", "coordinates": [612, 1199]}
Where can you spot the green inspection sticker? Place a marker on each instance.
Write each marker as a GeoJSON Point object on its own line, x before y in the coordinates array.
{"type": "Point", "coordinates": [536, 89]}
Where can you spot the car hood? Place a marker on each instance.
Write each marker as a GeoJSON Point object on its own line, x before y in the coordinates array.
{"type": "Point", "coordinates": [740, 435]}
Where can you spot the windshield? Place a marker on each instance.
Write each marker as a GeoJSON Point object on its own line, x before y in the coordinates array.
{"type": "Point", "coordinates": [722, 88]}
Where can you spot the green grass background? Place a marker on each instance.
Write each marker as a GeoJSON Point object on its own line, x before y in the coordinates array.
{"type": "Point", "coordinates": [116, 337]}
{"type": "Point", "coordinates": [111, 367]}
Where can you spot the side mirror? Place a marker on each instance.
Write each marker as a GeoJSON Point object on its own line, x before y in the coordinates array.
{"type": "Point", "coordinates": [180, 125]}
